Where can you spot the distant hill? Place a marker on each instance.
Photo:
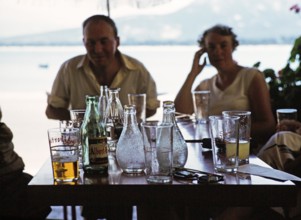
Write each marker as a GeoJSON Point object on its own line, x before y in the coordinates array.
{"type": "Point", "coordinates": [60, 37]}
{"type": "Point", "coordinates": [255, 22]}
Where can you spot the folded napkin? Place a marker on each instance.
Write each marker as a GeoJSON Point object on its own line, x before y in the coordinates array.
{"type": "Point", "coordinates": [267, 172]}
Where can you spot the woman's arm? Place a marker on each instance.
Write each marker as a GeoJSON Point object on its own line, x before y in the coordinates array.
{"type": "Point", "coordinates": [263, 121]}
{"type": "Point", "coordinates": [183, 100]}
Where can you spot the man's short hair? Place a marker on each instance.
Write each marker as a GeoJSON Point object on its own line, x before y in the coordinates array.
{"type": "Point", "coordinates": [96, 18]}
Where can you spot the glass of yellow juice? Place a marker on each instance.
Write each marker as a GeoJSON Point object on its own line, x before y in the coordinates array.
{"type": "Point", "coordinates": [244, 134]}
{"type": "Point", "coordinates": [224, 137]}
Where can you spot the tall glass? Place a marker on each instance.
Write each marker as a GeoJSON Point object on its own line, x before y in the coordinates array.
{"type": "Point", "coordinates": [286, 113]}
{"type": "Point", "coordinates": [244, 134]}
{"type": "Point", "coordinates": [157, 140]}
{"type": "Point", "coordinates": [139, 100]}
{"type": "Point", "coordinates": [224, 138]}
{"type": "Point", "coordinates": [201, 101]}
{"type": "Point", "coordinates": [77, 118]}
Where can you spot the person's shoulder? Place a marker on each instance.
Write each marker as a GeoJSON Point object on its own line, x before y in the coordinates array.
{"type": "Point", "coordinates": [71, 65]}
{"type": "Point", "coordinates": [247, 69]}
{"type": "Point", "coordinates": [248, 73]}
{"type": "Point", "coordinates": [75, 59]}
{"type": "Point", "coordinates": [131, 62]}
{"type": "Point", "coordinates": [250, 70]}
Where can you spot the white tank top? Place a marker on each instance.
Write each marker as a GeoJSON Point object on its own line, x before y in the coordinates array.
{"type": "Point", "coordinates": [234, 97]}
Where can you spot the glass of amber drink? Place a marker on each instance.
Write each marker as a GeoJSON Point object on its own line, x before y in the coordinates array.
{"type": "Point", "coordinates": [64, 152]}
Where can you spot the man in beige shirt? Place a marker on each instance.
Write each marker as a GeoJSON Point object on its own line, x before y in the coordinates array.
{"type": "Point", "coordinates": [103, 64]}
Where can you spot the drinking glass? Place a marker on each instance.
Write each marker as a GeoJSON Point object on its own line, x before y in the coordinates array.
{"type": "Point", "coordinates": [77, 116]}
{"type": "Point", "coordinates": [201, 105]}
{"type": "Point", "coordinates": [139, 100]}
{"type": "Point", "coordinates": [63, 144]}
{"type": "Point", "coordinates": [286, 113]}
{"type": "Point", "coordinates": [157, 140]}
{"type": "Point", "coordinates": [224, 138]}
{"type": "Point", "coordinates": [244, 134]}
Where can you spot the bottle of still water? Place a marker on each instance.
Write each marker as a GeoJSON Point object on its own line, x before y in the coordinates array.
{"type": "Point", "coordinates": [94, 139]}
{"type": "Point", "coordinates": [114, 118]}
{"type": "Point", "coordinates": [180, 150]}
{"type": "Point", "coordinates": [130, 148]}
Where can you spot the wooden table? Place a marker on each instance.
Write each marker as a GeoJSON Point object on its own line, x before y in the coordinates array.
{"type": "Point", "coordinates": [117, 188]}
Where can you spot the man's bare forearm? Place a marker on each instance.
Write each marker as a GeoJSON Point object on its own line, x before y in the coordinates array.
{"type": "Point", "coordinates": [57, 113]}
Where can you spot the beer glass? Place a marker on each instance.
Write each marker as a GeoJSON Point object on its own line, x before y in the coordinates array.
{"type": "Point", "coordinates": [63, 144]}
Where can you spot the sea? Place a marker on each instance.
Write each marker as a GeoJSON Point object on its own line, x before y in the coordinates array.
{"type": "Point", "coordinates": [27, 73]}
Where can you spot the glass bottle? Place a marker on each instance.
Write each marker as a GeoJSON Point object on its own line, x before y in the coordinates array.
{"type": "Point", "coordinates": [103, 100]}
{"type": "Point", "coordinates": [180, 150]}
{"type": "Point", "coordinates": [114, 118]}
{"type": "Point", "coordinates": [94, 139]}
{"type": "Point", "coordinates": [130, 150]}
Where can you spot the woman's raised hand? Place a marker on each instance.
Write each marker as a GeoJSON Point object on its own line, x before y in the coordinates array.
{"type": "Point", "coordinates": [196, 66]}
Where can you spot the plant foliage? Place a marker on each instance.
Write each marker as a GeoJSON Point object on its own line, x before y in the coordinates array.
{"type": "Point", "coordinates": [285, 85]}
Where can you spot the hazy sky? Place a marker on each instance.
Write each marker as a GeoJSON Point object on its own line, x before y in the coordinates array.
{"type": "Point", "coordinates": [19, 17]}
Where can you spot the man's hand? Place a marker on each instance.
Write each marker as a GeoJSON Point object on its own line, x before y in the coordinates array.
{"type": "Point", "coordinates": [289, 125]}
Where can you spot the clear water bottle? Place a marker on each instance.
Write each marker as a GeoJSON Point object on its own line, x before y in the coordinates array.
{"type": "Point", "coordinates": [114, 118]}
{"type": "Point", "coordinates": [130, 150]}
{"type": "Point", "coordinates": [180, 150]}
{"type": "Point", "coordinates": [94, 139]}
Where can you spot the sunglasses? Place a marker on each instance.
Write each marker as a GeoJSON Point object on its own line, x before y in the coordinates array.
{"type": "Point", "coordinates": [197, 175]}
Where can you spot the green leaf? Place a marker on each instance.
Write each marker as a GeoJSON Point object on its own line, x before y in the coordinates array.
{"type": "Point", "coordinates": [256, 65]}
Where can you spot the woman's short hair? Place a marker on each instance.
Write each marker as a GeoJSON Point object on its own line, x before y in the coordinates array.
{"type": "Point", "coordinates": [222, 30]}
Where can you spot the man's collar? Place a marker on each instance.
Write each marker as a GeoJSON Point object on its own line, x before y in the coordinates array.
{"type": "Point", "coordinates": [125, 61]}
{"type": "Point", "coordinates": [83, 62]}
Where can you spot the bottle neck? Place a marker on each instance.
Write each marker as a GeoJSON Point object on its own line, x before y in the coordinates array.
{"type": "Point", "coordinates": [169, 115]}
{"type": "Point", "coordinates": [93, 110]}
{"type": "Point", "coordinates": [104, 91]}
{"type": "Point", "coordinates": [130, 116]}
{"type": "Point", "coordinates": [114, 96]}
{"type": "Point", "coordinates": [102, 103]}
